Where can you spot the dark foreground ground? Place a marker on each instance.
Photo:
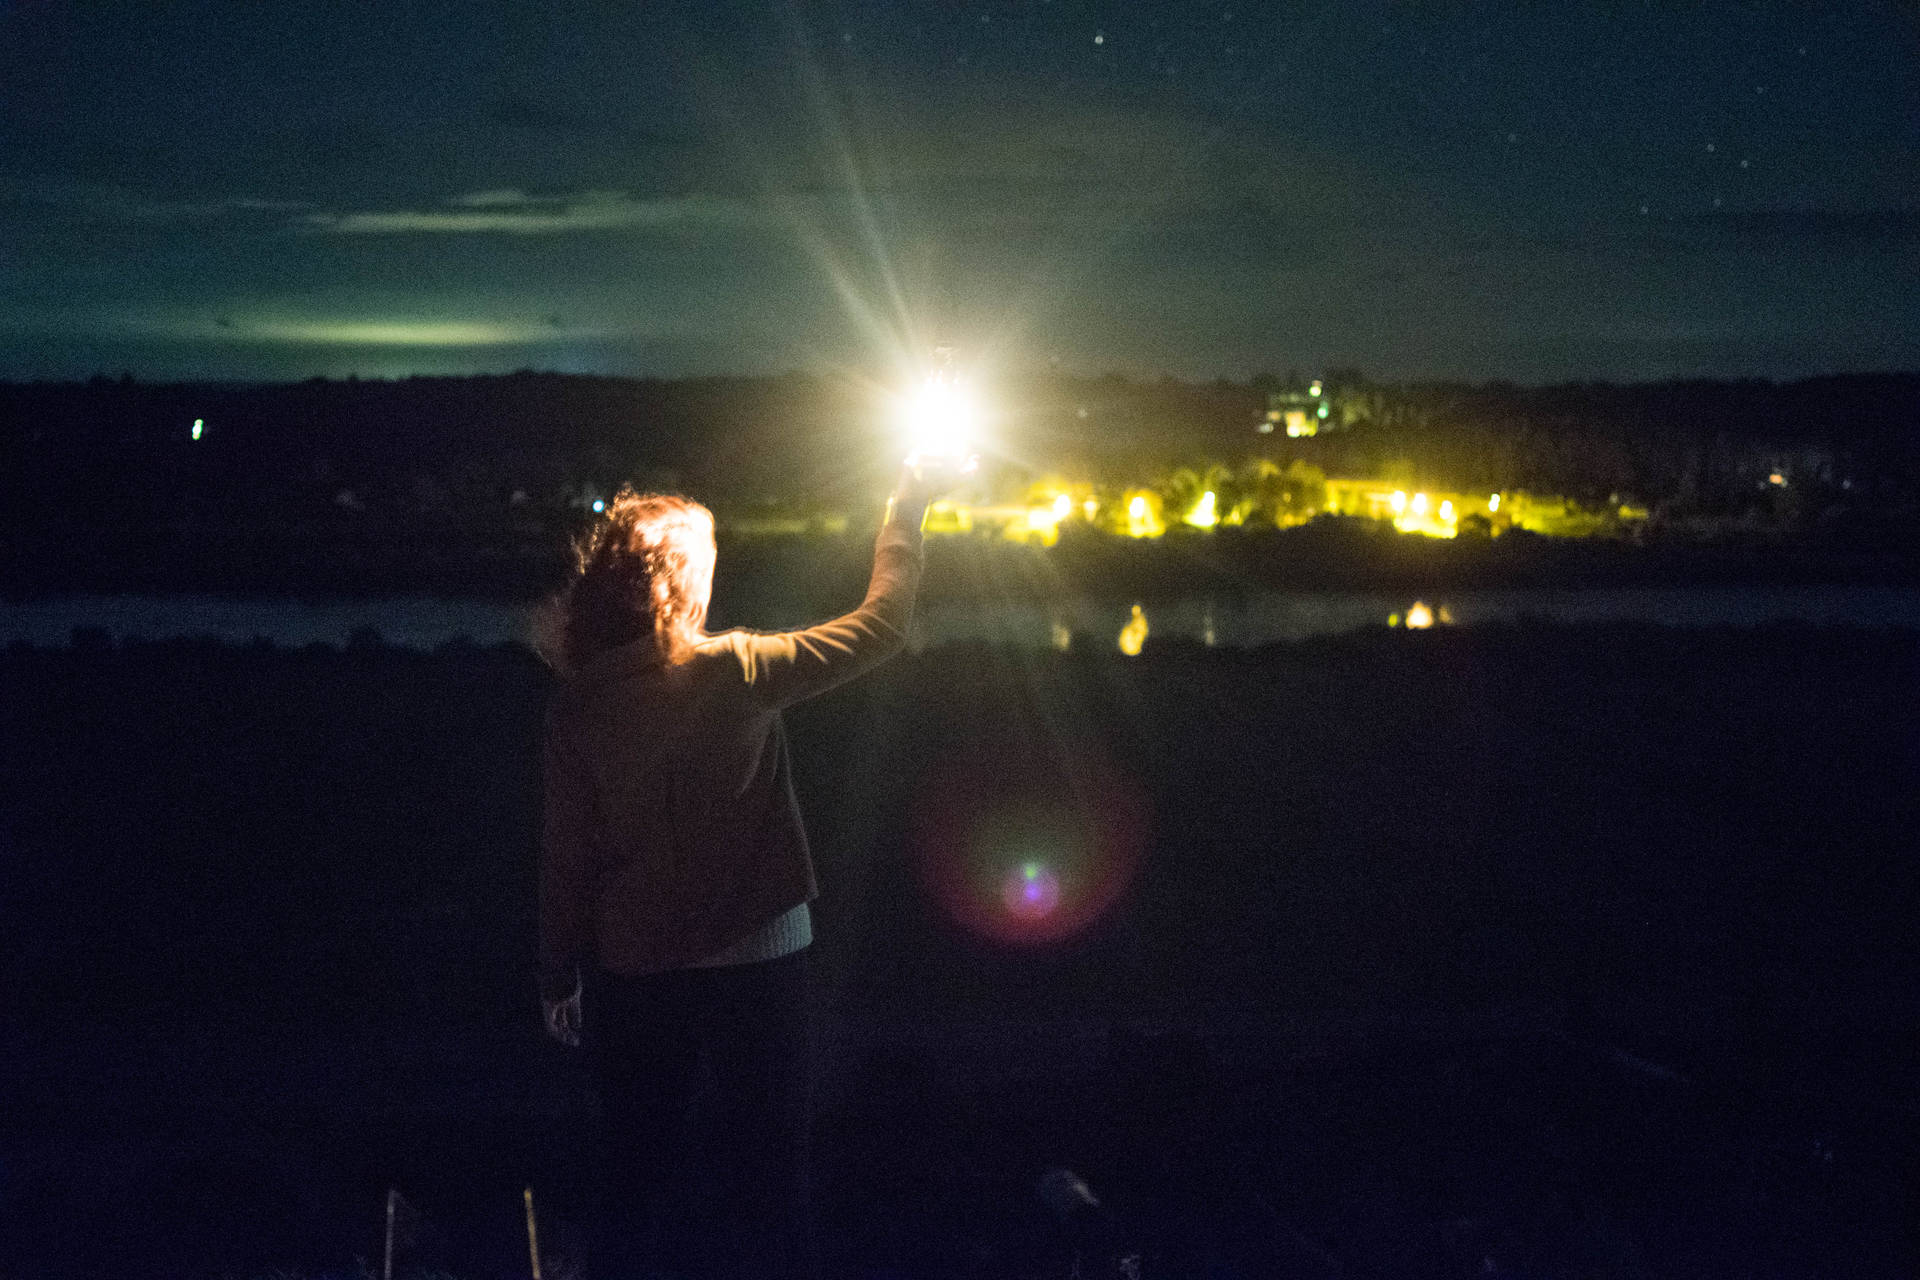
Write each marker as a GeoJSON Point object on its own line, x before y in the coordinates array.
{"type": "Point", "coordinates": [1515, 952]}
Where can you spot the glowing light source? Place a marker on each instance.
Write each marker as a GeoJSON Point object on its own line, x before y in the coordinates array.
{"type": "Point", "coordinates": [1062, 507]}
{"type": "Point", "coordinates": [199, 427]}
{"type": "Point", "coordinates": [1446, 510]}
{"type": "Point", "coordinates": [1143, 516]}
{"type": "Point", "coordinates": [1493, 502]}
{"type": "Point", "coordinates": [1205, 514]}
{"type": "Point", "coordinates": [1399, 502]}
{"type": "Point", "coordinates": [1314, 390]}
{"type": "Point", "coordinates": [1776, 478]}
{"type": "Point", "coordinates": [1134, 634]}
{"type": "Point", "coordinates": [942, 417]}
{"type": "Point", "coordinates": [1419, 504]}
{"type": "Point", "coordinates": [1419, 617]}
{"type": "Point", "coordinates": [599, 506]}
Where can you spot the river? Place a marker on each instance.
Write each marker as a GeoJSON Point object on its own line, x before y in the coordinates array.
{"type": "Point", "coordinates": [424, 622]}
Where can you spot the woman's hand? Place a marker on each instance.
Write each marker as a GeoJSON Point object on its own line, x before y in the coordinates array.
{"type": "Point", "coordinates": [924, 478]}
{"type": "Point", "coordinates": [562, 1018]}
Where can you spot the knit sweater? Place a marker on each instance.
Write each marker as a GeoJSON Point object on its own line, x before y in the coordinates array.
{"type": "Point", "coordinates": [671, 832]}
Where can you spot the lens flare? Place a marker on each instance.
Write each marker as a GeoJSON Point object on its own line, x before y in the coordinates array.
{"type": "Point", "coordinates": [1030, 892]}
{"type": "Point", "coordinates": [1030, 852]}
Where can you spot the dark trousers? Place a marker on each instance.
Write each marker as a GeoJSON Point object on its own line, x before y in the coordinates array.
{"type": "Point", "coordinates": [704, 1079]}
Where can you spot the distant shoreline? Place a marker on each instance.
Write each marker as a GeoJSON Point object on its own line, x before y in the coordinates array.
{"type": "Point", "coordinates": [829, 570]}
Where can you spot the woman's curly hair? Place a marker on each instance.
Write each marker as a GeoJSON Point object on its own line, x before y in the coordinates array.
{"type": "Point", "coordinates": [644, 568]}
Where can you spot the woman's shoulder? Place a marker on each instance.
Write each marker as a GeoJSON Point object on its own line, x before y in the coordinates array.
{"type": "Point", "coordinates": [721, 652]}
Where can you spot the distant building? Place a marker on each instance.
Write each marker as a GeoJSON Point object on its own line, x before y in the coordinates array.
{"type": "Point", "coordinates": [1299, 413]}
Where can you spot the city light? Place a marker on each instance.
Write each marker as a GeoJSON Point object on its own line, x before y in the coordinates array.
{"type": "Point", "coordinates": [1143, 515]}
{"type": "Point", "coordinates": [199, 427]}
{"type": "Point", "coordinates": [1134, 634]}
{"type": "Point", "coordinates": [1419, 617]}
{"type": "Point", "coordinates": [1036, 516]}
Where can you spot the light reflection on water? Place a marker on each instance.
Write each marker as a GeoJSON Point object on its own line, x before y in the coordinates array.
{"type": "Point", "coordinates": [423, 622]}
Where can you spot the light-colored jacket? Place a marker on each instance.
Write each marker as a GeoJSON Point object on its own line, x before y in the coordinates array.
{"type": "Point", "coordinates": [671, 829]}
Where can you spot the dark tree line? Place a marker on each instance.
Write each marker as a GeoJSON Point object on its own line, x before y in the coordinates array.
{"type": "Point", "coordinates": [508, 456]}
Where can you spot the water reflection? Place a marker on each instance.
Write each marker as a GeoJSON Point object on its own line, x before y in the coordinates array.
{"type": "Point", "coordinates": [422, 622]}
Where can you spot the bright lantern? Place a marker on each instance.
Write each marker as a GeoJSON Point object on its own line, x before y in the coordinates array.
{"type": "Point", "coordinates": [942, 418]}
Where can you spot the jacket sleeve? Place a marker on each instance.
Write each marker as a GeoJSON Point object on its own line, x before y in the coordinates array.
{"type": "Point", "coordinates": [785, 667]}
{"type": "Point", "coordinates": [566, 860]}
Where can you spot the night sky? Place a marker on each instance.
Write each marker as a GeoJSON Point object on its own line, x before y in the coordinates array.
{"type": "Point", "coordinates": [1532, 190]}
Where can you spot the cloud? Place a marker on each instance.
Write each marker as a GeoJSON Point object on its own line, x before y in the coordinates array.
{"type": "Point", "coordinates": [124, 203]}
{"type": "Point", "coordinates": [509, 211]}
{"type": "Point", "coordinates": [504, 198]}
{"type": "Point", "coordinates": [396, 333]}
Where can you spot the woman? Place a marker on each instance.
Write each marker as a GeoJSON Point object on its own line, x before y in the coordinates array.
{"type": "Point", "coordinates": [675, 877]}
